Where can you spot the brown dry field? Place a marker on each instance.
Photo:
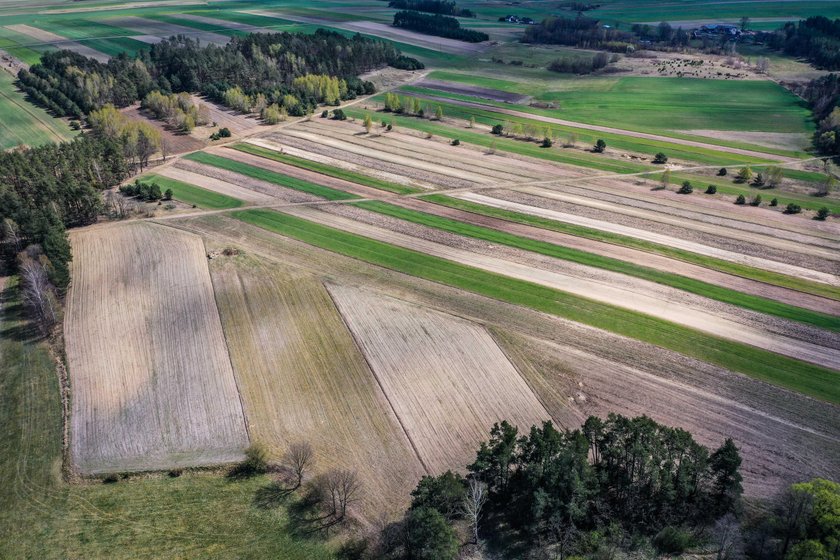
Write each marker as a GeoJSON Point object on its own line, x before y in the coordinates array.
{"type": "Point", "coordinates": [151, 381]}
{"type": "Point", "coordinates": [237, 123]}
{"type": "Point", "coordinates": [302, 378]}
{"type": "Point", "coordinates": [784, 436]}
{"type": "Point", "coordinates": [187, 174]}
{"type": "Point", "coordinates": [446, 378]}
{"type": "Point", "coordinates": [475, 91]}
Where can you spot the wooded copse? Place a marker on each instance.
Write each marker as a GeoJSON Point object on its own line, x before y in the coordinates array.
{"type": "Point", "coordinates": [444, 7]}
{"type": "Point", "coordinates": [587, 33]}
{"type": "Point", "coordinates": [438, 25]}
{"type": "Point", "coordinates": [259, 64]}
{"type": "Point", "coordinates": [823, 95]}
{"type": "Point", "coordinates": [568, 492]}
{"type": "Point", "coordinates": [816, 38]}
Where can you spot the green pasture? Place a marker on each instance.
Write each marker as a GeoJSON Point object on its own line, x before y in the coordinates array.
{"type": "Point", "coordinates": [22, 122]}
{"type": "Point", "coordinates": [191, 194]}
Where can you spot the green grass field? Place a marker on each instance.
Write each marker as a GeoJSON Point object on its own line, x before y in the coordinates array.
{"type": "Point", "coordinates": [191, 194]}
{"type": "Point", "coordinates": [737, 269]}
{"type": "Point", "coordinates": [22, 122]}
{"type": "Point", "coordinates": [733, 297]}
{"type": "Point", "coordinates": [198, 515]}
{"type": "Point", "coordinates": [807, 378]}
{"type": "Point", "coordinates": [688, 10]}
{"type": "Point", "coordinates": [270, 176]}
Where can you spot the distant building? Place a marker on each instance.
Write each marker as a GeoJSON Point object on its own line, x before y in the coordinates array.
{"type": "Point", "coordinates": [518, 19]}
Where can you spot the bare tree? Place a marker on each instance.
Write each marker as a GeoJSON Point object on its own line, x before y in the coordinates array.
{"type": "Point", "coordinates": [339, 487]}
{"type": "Point", "coordinates": [728, 538]}
{"type": "Point", "coordinates": [474, 500]}
{"type": "Point", "coordinates": [37, 293]}
{"type": "Point", "coordinates": [298, 459]}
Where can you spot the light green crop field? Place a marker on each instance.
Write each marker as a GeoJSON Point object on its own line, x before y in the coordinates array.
{"type": "Point", "coordinates": [24, 123]}
{"type": "Point", "coordinates": [807, 378]}
{"type": "Point", "coordinates": [191, 194]}
{"type": "Point", "coordinates": [197, 515]}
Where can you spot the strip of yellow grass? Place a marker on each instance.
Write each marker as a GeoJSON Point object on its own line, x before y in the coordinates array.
{"type": "Point", "coordinates": [151, 381]}
{"type": "Point", "coordinates": [303, 379]}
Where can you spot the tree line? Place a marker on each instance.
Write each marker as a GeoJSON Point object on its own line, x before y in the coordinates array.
{"type": "Point", "coordinates": [43, 191]}
{"type": "Point", "coordinates": [438, 25]}
{"type": "Point", "coordinates": [266, 64]}
{"type": "Point", "coordinates": [443, 7]}
{"type": "Point", "coordinates": [823, 96]}
{"type": "Point", "coordinates": [816, 38]}
{"type": "Point", "coordinates": [581, 32]}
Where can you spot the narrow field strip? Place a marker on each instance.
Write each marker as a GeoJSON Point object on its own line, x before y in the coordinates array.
{"type": "Point", "coordinates": [808, 378]}
{"type": "Point", "coordinates": [325, 169]}
{"type": "Point", "coordinates": [191, 194]}
{"type": "Point", "coordinates": [269, 176]}
{"type": "Point", "coordinates": [747, 301]}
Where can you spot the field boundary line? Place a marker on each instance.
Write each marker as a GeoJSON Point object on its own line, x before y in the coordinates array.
{"type": "Point", "coordinates": [376, 377]}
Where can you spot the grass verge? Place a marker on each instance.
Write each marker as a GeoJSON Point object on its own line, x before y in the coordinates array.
{"type": "Point", "coordinates": [793, 374]}
{"type": "Point", "coordinates": [726, 295]}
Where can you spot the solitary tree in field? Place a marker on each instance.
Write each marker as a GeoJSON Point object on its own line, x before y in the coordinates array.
{"type": "Point", "coordinates": [298, 459]}
{"type": "Point", "coordinates": [666, 178]}
{"type": "Point", "coordinates": [744, 175]}
{"type": "Point", "coordinates": [826, 186]}
{"type": "Point", "coordinates": [600, 146]}
{"type": "Point", "coordinates": [368, 123]}
{"type": "Point", "coordinates": [571, 140]}
{"type": "Point", "coordinates": [438, 112]}
{"type": "Point", "coordinates": [472, 122]}
{"type": "Point", "coordinates": [660, 158]}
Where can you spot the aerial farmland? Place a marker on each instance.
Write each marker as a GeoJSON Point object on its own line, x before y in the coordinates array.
{"type": "Point", "coordinates": [419, 279]}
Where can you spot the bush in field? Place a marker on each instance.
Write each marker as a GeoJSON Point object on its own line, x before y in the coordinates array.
{"type": "Point", "coordinates": [686, 188]}
{"type": "Point", "coordinates": [256, 462]}
{"type": "Point", "coordinates": [744, 175]}
{"type": "Point", "coordinates": [756, 201]}
{"type": "Point", "coordinates": [222, 133]}
{"type": "Point", "coordinates": [793, 208]}
{"type": "Point", "coordinates": [338, 115]}
{"type": "Point", "coordinates": [740, 199]}
{"type": "Point", "coordinates": [547, 142]}
{"type": "Point", "coordinates": [774, 202]}
{"type": "Point", "coordinates": [498, 129]}
{"type": "Point", "coordinates": [456, 142]}
{"type": "Point", "coordinates": [672, 540]}
{"type": "Point", "coordinates": [144, 191]}
{"type": "Point", "coordinates": [167, 195]}
{"type": "Point", "coordinates": [660, 158]}
{"type": "Point", "coordinates": [325, 114]}
{"type": "Point", "coordinates": [722, 172]}
{"type": "Point", "coordinates": [273, 114]}
{"type": "Point", "coordinates": [822, 213]}
{"type": "Point", "coordinates": [600, 146]}
{"type": "Point", "coordinates": [711, 189]}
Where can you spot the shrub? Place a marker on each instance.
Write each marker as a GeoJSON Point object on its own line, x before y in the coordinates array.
{"type": "Point", "coordinates": [672, 540]}
{"type": "Point", "coordinates": [722, 172]}
{"type": "Point", "coordinates": [547, 142]}
{"type": "Point", "coordinates": [744, 175]}
{"type": "Point", "coordinates": [740, 199]}
{"type": "Point", "coordinates": [325, 114]}
{"type": "Point", "coordinates": [456, 142]}
{"type": "Point", "coordinates": [711, 189]}
{"type": "Point", "coordinates": [600, 146]}
{"type": "Point", "coordinates": [224, 132]}
{"type": "Point", "coordinates": [111, 479]}
{"type": "Point", "coordinates": [75, 125]}
{"type": "Point", "coordinates": [660, 158]}
{"type": "Point", "coordinates": [338, 115]}
{"type": "Point", "coordinates": [390, 127]}
{"type": "Point", "coordinates": [774, 202]}
{"type": "Point", "coordinates": [822, 213]}
{"type": "Point", "coordinates": [756, 201]}
{"type": "Point", "coordinates": [686, 188]}
{"type": "Point", "coordinates": [167, 195]}
{"type": "Point", "coordinates": [256, 462]}
{"type": "Point", "coordinates": [793, 209]}
{"type": "Point", "coordinates": [175, 473]}
{"type": "Point", "coordinates": [498, 129]}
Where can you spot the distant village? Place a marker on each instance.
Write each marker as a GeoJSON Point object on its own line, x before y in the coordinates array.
{"type": "Point", "coordinates": [518, 19]}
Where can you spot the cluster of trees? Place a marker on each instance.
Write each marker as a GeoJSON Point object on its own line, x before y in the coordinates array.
{"type": "Point", "coordinates": [42, 192]}
{"type": "Point", "coordinates": [441, 26]}
{"type": "Point", "coordinates": [579, 64]}
{"type": "Point", "coordinates": [663, 34]}
{"type": "Point", "coordinates": [581, 32]}
{"type": "Point", "coordinates": [179, 110]}
{"type": "Point", "coordinates": [564, 491]}
{"type": "Point", "coordinates": [816, 38]}
{"type": "Point", "coordinates": [444, 7]}
{"type": "Point", "coordinates": [406, 105]}
{"type": "Point", "coordinates": [139, 139]}
{"type": "Point", "coordinates": [146, 191]}
{"type": "Point", "coordinates": [257, 63]}
{"type": "Point", "coordinates": [823, 96]}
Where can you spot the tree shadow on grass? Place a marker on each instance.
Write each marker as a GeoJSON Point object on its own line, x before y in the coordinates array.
{"type": "Point", "coordinates": [272, 495]}
{"type": "Point", "coordinates": [17, 326]}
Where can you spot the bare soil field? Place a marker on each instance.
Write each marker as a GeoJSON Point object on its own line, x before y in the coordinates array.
{"type": "Point", "coordinates": [154, 28]}
{"type": "Point", "coordinates": [151, 381]}
{"type": "Point", "coordinates": [176, 142]}
{"type": "Point", "coordinates": [445, 378]}
{"type": "Point", "coordinates": [475, 91]}
{"type": "Point", "coordinates": [46, 37]}
{"type": "Point", "coordinates": [582, 384]}
{"type": "Point", "coordinates": [629, 294]}
{"type": "Point", "coordinates": [302, 378]}
{"type": "Point", "coordinates": [791, 437]}
{"type": "Point", "coordinates": [237, 123]}
{"type": "Point", "coordinates": [662, 239]}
